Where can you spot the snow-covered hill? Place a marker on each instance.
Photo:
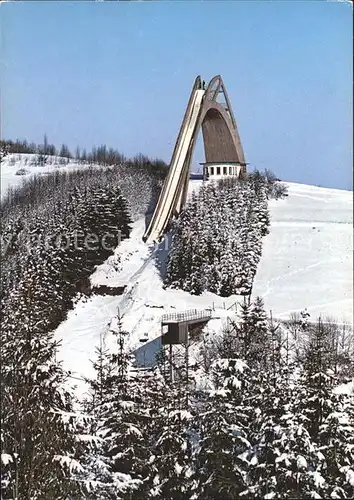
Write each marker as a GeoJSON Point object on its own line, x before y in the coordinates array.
{"type": "Point", "coordinates": [16, 167]}
{"type": "Point", "coordinates": [306, 262]}
{"type": "Point", "coordinates": [307, 258]}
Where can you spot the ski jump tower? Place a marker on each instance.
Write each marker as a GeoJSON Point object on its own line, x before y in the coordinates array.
{"type": "Point", "coordinates": [209, 109]}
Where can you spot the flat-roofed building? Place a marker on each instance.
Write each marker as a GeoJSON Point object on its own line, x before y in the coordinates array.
{"type": "Point", "coordinates": [214, 171]}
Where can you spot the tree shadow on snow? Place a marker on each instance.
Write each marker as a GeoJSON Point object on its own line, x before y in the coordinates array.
{"type": "Point", "coordinates": [145, 355]}
{"type": "Point", "coordinates": [161, 254]}
{"type": "Point", "coordinates": [154, 196]}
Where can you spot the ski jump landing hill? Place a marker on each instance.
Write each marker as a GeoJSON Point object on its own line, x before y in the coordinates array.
{"type": "Point", "coordinates": [222, 144]}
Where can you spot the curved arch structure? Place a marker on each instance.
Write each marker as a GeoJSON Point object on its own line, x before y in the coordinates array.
{"type": "Point", "coordinates": [222, 144]}
{"type": "Point", "coordinates": [221, 138]}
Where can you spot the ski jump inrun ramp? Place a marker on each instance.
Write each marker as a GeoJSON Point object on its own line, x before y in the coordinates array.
{"type": "Point", "coordinates": [208, 108]}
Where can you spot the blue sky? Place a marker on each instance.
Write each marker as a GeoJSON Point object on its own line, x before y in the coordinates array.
{"type": "Point", "coordinates": [120, 73]}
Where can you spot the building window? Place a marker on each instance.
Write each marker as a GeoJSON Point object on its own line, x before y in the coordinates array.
{"type": "Point", "coordinates": [225, 170]}
{"type": "Point", "coordinates": [217, 170]}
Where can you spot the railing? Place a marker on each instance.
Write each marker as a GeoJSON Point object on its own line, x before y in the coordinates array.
{"type": "Point", "coordinates": [190, 315]}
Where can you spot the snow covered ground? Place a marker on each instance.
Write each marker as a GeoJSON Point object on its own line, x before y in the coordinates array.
{"type": "Point", "coordinates": [345, 388]}
{"type": "Point", "coordinates": [306, 262]}
{"type": "Point", "coordinates": [141, 306]}
{"type": "Point", "coordinates": [307, 258]}
{"type": "Point", "coordinates": [12, 163]}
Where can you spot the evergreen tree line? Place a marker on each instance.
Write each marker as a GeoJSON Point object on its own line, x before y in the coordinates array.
{"type": "Point", "coordinates": [61, 226]}
{"type": "Point", "coordinates": [99, 155]}
{"type": "Point", "coordinates": [139, 186]}
{"type": "Point", "coordinates": [267, 424]}
{"type": "Point", "coordinates": [62, 247]}
{"type": "Point", "coordinates": [272, 425]}
{"type": "Point", "coordinates": [274, 188]}
{"type": "Point", "coordinates": [45, 258]}
{"type": "Point", "coordinates": [42, 434]}
{"type": "Point", "coordinates": [217, 239]}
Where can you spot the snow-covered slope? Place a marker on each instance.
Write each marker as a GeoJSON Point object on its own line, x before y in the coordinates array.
{"type": "Point", "coordinates": [307, 258]}
{"type": "Point", "coordinates": [13, 163]}
{"type": "Point", "coordinates": [306, 262]}
{"type": "Point", "coordinates": [141, 306]}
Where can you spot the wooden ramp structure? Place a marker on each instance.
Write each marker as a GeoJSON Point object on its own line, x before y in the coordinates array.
{"type": "Point", "coordinates": [209, 109]}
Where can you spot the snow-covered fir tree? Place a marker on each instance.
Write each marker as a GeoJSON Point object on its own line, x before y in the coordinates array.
{"type": "Point", "coordinates": [221, 459]}
{"type": "Point", "coordinates": [217, 239]}
{"type": "Point", "coordinates": [336, 444]}
{"type": "Point", "coordinates": [40, 429]}
{"type": "Point", "coordinates": [141, 426]}
{"type": "Point", "coordinates": [172, 450]}
{"type": "Point", "coordinates": [329, 415]}
{"type": "Point", "coordinates": [112, 405]}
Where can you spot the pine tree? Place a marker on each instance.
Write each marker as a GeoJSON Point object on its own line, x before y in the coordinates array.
{"type": "Point", "coordinates": [115, 396]}
{"type": "Point", "coordinates": [216, 244]}
{"type": "Point", "coordinates": [221, 462]}
{"type": "Point", "coordinates": [254, 336]}
{"type": "Point", "coordinates": [65, 152]}
{"type": "Point", "coordinates": [330, 416]}
{"type": "Point", "coordinates": [260, 210]}
{"type": "Point", "coordinates": [171, 450]}
{"type": "Point", "coordinates": [38, 420]}
{"type": "Point", "coordinates": [336, 443]}
{"type": "Point", "coordinates": [285, 461]}
{"type": "Point", "coordinates": [317, 377]}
